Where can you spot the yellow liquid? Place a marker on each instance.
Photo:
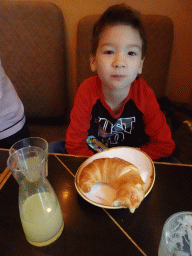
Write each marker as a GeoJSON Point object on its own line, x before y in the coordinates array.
{"type": "Point", "coordinates": [41, 219]}
{"type": "Point", "coordinates": [32, 168]}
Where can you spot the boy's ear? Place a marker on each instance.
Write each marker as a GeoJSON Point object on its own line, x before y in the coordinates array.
{"type": "Point", "coordinates": [141, 66]}
{"type": "Point", "coordinates": [92, 63]}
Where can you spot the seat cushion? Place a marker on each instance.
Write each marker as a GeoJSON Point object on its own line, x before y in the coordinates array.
{"type": "Point", "coordinates": [48, 132]}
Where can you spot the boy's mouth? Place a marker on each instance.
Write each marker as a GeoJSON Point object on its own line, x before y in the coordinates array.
{"type": "Point", "coordinates": [119, 77]}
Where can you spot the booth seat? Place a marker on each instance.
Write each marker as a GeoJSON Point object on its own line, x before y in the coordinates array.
{"type": "Point", "coordinates": [34, 55]}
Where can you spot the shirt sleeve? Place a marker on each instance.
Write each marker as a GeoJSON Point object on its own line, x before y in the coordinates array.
{"type": "Point", "coordinates": [160, 142]}
{"type": "Point", "coordinates": [80, 123]}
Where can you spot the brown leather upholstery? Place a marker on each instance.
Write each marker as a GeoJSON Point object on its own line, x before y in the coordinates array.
{"type": "Point", "coordinates": [32, 50]}
{"type": "Point", "coordinates": [159, 31]}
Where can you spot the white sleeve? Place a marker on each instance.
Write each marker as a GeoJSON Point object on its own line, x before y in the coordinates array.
{"type": "Point", "coordinates": [11, 108]}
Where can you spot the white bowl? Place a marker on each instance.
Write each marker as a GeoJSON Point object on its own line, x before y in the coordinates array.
{"type": "Point", "coordinates": [135, 156]}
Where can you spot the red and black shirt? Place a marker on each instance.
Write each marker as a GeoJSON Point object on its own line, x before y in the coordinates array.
{"type": "Point", "coordinates": [138, 123]}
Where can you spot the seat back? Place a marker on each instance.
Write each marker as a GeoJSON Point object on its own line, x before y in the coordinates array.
{"type": "Point", "coordinates": [33, 54]}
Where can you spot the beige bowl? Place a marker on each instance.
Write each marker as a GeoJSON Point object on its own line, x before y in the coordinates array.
{"type": "Point", "coordinates": [101, 194]}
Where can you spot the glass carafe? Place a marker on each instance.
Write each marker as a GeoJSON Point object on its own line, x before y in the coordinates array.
{"type": "Point", "coordinates": [39, 208]}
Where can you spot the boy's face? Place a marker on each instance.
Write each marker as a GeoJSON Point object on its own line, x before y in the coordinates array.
{"type": "Point", "coordinates": [118, 58]}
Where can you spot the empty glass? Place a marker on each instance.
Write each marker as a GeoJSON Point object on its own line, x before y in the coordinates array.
{"type": "Point", "coordinates": [32, 141]}
{"type": "Point", "coordinates": [176, 239]}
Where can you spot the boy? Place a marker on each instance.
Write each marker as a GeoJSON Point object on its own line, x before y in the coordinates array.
{"type": "Point", "coordinates": [115, 106]}
{"type": "Point", "coordinates": [12, 119]}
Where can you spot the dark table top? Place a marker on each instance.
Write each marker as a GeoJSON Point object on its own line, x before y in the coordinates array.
{"type": "Point", "coordinates": [91, 230]}
{"type": "Point", "coordinates": [3, 160]}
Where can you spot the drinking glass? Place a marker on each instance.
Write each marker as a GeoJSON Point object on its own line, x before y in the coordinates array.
{"type": "Point", "coordinates": [176, 239]}
{"type": "Point", "coordinates": [35, 142]}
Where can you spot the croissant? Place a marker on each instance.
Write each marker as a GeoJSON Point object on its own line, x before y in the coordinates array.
{"type": "Point", "coordinates": [123, 176]}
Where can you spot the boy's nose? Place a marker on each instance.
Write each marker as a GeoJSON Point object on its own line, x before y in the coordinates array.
{"type": "Point", "coordinates": [119, 61]}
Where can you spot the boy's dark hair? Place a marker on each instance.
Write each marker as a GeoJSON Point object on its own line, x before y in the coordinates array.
{"type": "Point", "coordinates": [119, 14]}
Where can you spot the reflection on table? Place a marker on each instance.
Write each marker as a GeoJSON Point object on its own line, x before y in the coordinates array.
{"type": "Point", "coordinates": [91, 230]}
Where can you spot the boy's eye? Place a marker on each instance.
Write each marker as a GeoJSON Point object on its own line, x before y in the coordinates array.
{"type": "Point", "coordinates": [108, 52]}
{"type": "Point", "coordinates": [131, 53]}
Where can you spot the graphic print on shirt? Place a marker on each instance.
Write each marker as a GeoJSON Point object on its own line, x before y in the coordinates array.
{"type": "Point", "coordinates": [125, 130]}
{"type": "Point", "coordinates": [112, 134]}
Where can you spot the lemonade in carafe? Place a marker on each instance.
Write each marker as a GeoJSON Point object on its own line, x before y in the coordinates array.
{"type": "Point", "coordinates": [40, 212]}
